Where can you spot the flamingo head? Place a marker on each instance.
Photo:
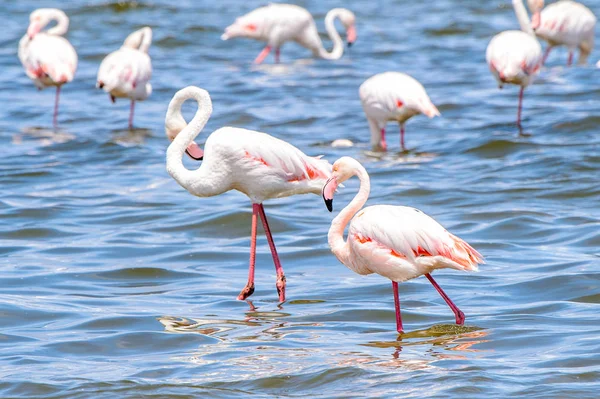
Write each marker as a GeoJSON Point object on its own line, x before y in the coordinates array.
{"type": "Point", "coordinates": [37, 21]}
{"type": "Point", "coordinates": [343, 169]}
{"type": "Point", "coordinates": [242, 27]}
{"type": "Point", "coordinates": [173, 127]}
{"type": "Point", "coordinates": [349, 21]}
{"type": "Point", "coordinates": [536, 6]}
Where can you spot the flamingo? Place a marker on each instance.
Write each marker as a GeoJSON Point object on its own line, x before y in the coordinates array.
{"type": "Point", "coordinates": [515, 57]}
{"type": "Point", "coordinates": [280, 23]}
{"type": "Point", "coordinates": [126, 73]}
{"type": "Point", "coordinates": [564, 23]}
{"type": "Point", "coordinates": [397, 242]}
{"type": "Point", "coordinates": [254, 163]}
{"type": "Point", "coordinates": [393, 96]}
{"type": "Point", "coordinates": [48, 58]}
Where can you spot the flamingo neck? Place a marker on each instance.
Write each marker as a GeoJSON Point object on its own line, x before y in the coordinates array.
{"type": "Point", "coordinates": [523, 17]}
{"type": "Point", "coordinates": [338, 44]}
{"type": "Point", "coordinates": [335, 237]}
{"type": "Point", "coordinates": [62, 22]}
{"type": "Point", "coordinates": [200, 182]}
{"type": "Point", "coordinates": [139, 40]}
{"type": "Point", "coordinates": [146, 39]}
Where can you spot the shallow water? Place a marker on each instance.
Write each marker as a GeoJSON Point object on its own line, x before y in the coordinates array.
{"type": "Point", "coordinates": [118, 283]}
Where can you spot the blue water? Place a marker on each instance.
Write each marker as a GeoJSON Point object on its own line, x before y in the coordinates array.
{"type": "Point", "coordinates": [116, 282]}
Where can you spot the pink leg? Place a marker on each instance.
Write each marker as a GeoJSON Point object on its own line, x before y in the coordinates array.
{"type": "Point", "coordinates": [546, 54]}
{"type": "Point", "coordinates": [402, 136]}
{"type": "Point", "coordinates": [263, 54]}
{"type": "Point", "coordinates": [383, 143]}
{"type": "Point", "coordinates": [278, 269]}
{"type": "Point", "coordinates": [460, 316]}
{"type": "Point", "coordinates": [131, 114]}
{"type": "Point", "coordinates": [277, 52]}
{"type": "Point", "coordinates": [249, 288]}
{"type": "Point", "coordinates": [570, 60]}
{"type": "Point", "coordinates": [55, 118]}
{"type": "Point", "coordinates": [397, 303]}
{"type": "Point", "coordinates": [520, 106]}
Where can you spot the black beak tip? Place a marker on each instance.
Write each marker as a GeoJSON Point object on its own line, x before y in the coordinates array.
{"type": "Point", "coordinates": [194, 158]}
{"type": "Point", "coordinates": [349, 44]}
{"type": "Point", "coordinates": [100, 85]}
{"type": "Point", "coordinates": [329, 204]}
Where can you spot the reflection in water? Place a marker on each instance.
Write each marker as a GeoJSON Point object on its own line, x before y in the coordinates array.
{"type": "Point", "coordinates": [131, 137]}
{"type": "Point", "coordinates": [42, 135]}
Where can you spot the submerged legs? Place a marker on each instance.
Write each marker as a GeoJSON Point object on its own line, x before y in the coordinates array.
{"type": "Point", "coordinates": [460, 316]}
{"type": "Point", "coordinates": [249, 288]}
{"type": "Point", "coordinates": [278, 269]}
{"type": "Point", "coordinates": [397, 303]}
{"type": "Point", "coordinates": [263, 54]}
{"type": "Point", "coordinates": [55, 118]}
{"type": "Point", "coordinates": [131, 114]}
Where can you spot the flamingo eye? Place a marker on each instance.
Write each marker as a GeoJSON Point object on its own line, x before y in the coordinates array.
{"type": "Point", "coordinates": [251, 27]}
{"type": "Point", "coordinates": [399, 103]}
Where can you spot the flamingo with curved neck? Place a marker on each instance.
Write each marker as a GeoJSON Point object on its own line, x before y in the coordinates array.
{"type": "Point", "coordinates": [397, 242]}
{"type": "Point", "coordinates": [280, 23]}
{"type": "Point", "coordinates": [256, 164]}
{"type": "Point", "coordinates": [48, 58]}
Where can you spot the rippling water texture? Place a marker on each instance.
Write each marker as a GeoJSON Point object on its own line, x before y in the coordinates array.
{"type": "Point", "coordinates": [117, 283]}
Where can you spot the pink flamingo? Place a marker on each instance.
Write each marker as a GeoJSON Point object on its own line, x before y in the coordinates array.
{"type": "Point", "coordinates": [564, 23]}
{"type": "Point", "coordinates": [397, 242]}
{"type": "Point", "coordinates": [280, 23]}
{"type": "Point", "coordinates": [515, 57]}
{"type": "Point", "coordinates": [393, 96]}
{"type": "Point", "coordinates": [254, 163]}
{"type": "Point", "coordinates": [126, 73]}
{"type": "Point", "coordinates": [48, 58]}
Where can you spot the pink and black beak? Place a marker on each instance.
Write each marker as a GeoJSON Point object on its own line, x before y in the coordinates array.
{"type": "Point", "coordinates": [351, 35]}
{"type": "Point", "coordinates": [328, 191]}
{"type": "Point", "coordinates": [34, 29]}
{"type": "Point", "coordinates": [195, 152]}
{"type": "Point", "coordinates": [536, 20]}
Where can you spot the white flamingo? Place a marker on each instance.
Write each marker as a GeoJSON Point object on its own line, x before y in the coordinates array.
{"type": "Point", "coordinates": [48, 58]}
{"type": "Point", "coordinates": [397, 242]}
{"type": "Point", "coordinates": [280, 23]}
{"type": "Point", "coordinates": [126, 73]}
{"type": "Point", "coordinates": [515, 57]}
{"type": "Point", "coordinates": [393, 96]}
{"type": "Point", "coordinates": [254, 163]}
{"type": "Point", "coordinates": [564, 23]}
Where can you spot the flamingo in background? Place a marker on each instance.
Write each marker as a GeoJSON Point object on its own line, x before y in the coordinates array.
{"type": "Point", "coordinates": [397, 242]}
{"type": "Point", "coordinates": [564, 23]}
{"type": "Point", "coordinates": [393, 96]}
{"type": "Point", "coordinates": [126, 73]}
{"type": "Point", "coordinates": [48, 58]}
{"type": "Point", "coordinates": [254, 163]}
{"type": "Point", "coordinates": [280, 23]}
{"type": "Point", "coordinates": [515, 57]}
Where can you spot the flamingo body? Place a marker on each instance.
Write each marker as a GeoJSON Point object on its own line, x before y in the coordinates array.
{"type": "Point", "coordinates": [393, 96]}
{"type": "Point", "coordinates": [126, 73]}
{"type": "Point", "coordinates": [277, 24]}
{"type": "Point", "coordinates": [396, 242]}
{"type": "Point", "coordinates": [568, 23]}
{"type": "Point", "coordinates": [254, 163]}
{"type": "Point", "coordinates": [47, 57]}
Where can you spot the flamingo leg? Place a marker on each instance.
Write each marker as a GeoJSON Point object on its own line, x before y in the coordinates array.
{"type": "Point", "coordinates": [263, 54]}
{"type": "Point", "coordinates": [570, 60]}
{"type": "Point", "coordinates": [383, 143]}
{"type": "Point", "coordinates": [397, 303]}
{"type": "Point", "coordinates": [55, 118]}
{"type": "Point", "coordinates": [520, 106]}
{"type": "Point", "coordinates": [131, 114]}
{"type": "Point", "coordinates": [277, 52]}
{"type": "Point", "coordinates": [402, 136]}
{"type": "Point", "coordinates": [460, 316]}
{"type": "Point", "coordinates": [249, 288]}
{"type": "Point", "coordinates": [546, 54]}
{"type": "Point", "coordinates": [278, 269]}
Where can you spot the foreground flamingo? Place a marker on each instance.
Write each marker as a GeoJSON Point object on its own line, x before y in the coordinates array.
{"type": "Point", "coordinates": [564, 23]}
{"type": "Point", "coordinates": [48, 58]}
{"type": "Point", "coordinates": [515, 57]}
{"type": "Point", "coordinates": [254, 163]}
{"type": "Point", "coordinates": [393, 96]}
{"type": "Point", "coordinates": [396, 242]}
{"type": "Point", "coordinates": [126, 72]}
{"type": "Point", "coordinates": [280, 23]}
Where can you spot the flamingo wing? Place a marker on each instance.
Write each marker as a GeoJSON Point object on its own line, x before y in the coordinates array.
{"type": "Point", "coordinates": [409, 234]}
{"type": "Point", "coordinates": [48, 58]}
{"type": "Point", "coordinates": [126, 73]}
{"type": "Point", "coordinates": [566, 22]}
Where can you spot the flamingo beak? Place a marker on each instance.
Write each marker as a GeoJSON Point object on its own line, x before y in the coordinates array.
{"type": "Point", "coordinates": [536, 20]}
{"type": "Point", "coordinates": [34, 29]}
{"type": "Point", "coordinates": [351, 35]}
{"type": "Point", "coordinates": [195, 152]}
{"type": "Point", "coordinates": [328, 191]}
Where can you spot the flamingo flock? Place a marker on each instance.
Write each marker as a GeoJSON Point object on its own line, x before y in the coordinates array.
{"type": "Point", "coordinates": [397, 242]}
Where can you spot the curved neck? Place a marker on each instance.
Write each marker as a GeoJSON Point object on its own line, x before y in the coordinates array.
{"type": "Point", "coordinates": [62, 23]}
{"type": "Point", "coordinates": [338, 44]}
{"type": "Point", "coordinates": [141, 39]}
{"type": "Point", "coordinates": [200, 182]}
{"type": "Point", "coordinates": [523, 17]}
{"type": "Point", "coordinates": [338, 246]}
